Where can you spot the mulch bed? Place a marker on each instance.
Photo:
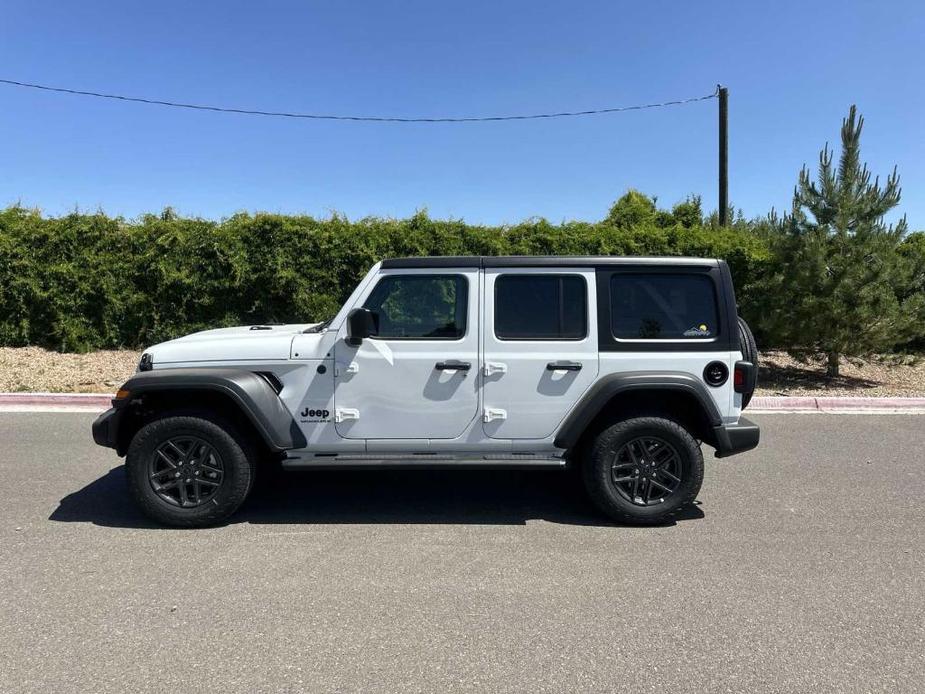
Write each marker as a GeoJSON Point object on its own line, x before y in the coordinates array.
{"type": "Point", "coordinates": [31, 369]}
{"type": "Point", "coordinates": [880, 376]}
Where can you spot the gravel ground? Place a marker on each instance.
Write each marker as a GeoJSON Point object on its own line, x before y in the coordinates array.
{"type": "Point", "coordinates": [31, 369]}
{"type": "Point", "coordinates": [36, 370]}
{"type": "Point", "coordinates": [885, 376]}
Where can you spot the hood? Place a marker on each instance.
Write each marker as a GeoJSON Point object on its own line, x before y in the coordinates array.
{"type": "Point", "coordinates": [241, 343]}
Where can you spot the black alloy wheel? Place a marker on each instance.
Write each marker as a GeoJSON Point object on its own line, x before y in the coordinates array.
{"type": "Point", "coordinates": [646, 471]}
{"type": "Point", "coordinates": [185, 471]}
{"type": "Point", "coordinates": [643, 470]}
{"type": "Point", "coordinates": [190, 469]}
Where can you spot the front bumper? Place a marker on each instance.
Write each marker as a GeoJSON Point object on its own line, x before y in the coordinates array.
{"type": "Point", "coordinates": [736, 438]}
{"type": "Point", "coordinates": [106, 428]}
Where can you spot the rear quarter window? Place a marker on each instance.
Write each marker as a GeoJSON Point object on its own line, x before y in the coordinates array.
{"type": "Point", "coordinates": [663, 306]}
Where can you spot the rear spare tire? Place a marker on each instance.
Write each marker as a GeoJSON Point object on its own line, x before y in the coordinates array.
{"type": "Point", "coordinates": [749, 349]}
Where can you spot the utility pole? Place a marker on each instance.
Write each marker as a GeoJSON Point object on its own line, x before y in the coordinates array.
{"type": "Point", "coordinates": [723, 94]}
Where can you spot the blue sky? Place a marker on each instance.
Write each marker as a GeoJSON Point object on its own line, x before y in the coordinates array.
{"type": "Point", "coordinates": [792, 69]}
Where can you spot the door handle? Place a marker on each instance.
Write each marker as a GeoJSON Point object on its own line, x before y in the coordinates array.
{"type": "Point", "coordinates": [564, 366]}
{"type": "Point", "coordinates": [453, 366]}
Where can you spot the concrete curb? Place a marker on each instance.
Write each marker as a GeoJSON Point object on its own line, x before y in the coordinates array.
{"type": "Point", "coordinates": [97, 402]}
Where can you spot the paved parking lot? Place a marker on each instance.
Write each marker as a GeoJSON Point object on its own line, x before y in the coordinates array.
{"type": "Point", "coordinates": [802, 568]}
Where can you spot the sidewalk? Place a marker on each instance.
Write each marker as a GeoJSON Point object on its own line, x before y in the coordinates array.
{"type": "Point", "coordinates": [97, 402]}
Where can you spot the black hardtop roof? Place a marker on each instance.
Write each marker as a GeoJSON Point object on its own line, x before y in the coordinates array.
{"type": "Point", "coordinates": [444, 261]}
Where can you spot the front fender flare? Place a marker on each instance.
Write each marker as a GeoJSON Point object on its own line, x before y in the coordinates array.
{"type": "Point", "coordinates": [251, 393]}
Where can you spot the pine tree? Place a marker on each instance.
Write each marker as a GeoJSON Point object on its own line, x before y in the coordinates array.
{"type": "Point", "coordinates": [834, 289]}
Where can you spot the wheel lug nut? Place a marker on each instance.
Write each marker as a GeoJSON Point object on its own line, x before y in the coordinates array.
{"type": "Point", "coordinates": [177, 474]}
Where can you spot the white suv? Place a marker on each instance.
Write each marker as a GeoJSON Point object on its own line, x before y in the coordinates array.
{"type": "Point", "coordinates": [620, 366]}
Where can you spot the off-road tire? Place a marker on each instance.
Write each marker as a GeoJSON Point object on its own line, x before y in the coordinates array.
{"type": "Point", "coordinates": [749, 349]}
{"type": "Point", "coordinates": [238, 460]}
{"type": "Point", "coordinates": [596, 470]}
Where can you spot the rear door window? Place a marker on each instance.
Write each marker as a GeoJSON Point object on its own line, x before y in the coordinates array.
{"type": "Point", "coordinates": [663, 307]}
{"type": "Point", "coordinates": [541, 307]}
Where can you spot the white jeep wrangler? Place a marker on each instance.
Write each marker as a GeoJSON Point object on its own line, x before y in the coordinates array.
{"type": "Point", "coordinates": [620, 366]}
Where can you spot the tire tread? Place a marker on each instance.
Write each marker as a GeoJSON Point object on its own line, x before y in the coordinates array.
{"type": "Point", "coordinates": [604, 445]}
{"type": "Point", "coordinates": [225, 434]}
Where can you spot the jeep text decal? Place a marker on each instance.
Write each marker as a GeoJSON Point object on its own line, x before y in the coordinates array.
{"type": "Point", "coordinates": [310, 415]}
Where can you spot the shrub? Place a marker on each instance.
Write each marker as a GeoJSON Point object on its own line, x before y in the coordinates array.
{"type": "Point", "coordinates": [88, 281]}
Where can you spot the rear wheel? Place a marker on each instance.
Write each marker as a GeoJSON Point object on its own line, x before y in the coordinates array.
{"type": "Point", "coordinates": [189, 471]}
{"type": "Point", "coordinates": [644, 470]}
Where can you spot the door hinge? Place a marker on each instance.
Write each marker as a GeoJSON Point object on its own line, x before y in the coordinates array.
{"type": "Point", "coordinates": [494, 367]}
{"type": "Point", "coordinates": [343, 413]}
{"type": "Point", "coordinates": [351, 368]}
{"type": "Point", "coordinates": [492, 413]}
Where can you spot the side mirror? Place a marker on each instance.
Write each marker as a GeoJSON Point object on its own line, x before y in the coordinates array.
{"type": "Point", "coordinates": [361, 322]}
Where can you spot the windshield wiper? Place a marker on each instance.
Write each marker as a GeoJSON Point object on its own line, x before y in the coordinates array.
{"type": "Point", "coordinates": [318, 328]}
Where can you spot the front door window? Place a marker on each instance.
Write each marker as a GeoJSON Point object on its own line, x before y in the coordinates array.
{"type": "Point", "coordinates": [423, 307]}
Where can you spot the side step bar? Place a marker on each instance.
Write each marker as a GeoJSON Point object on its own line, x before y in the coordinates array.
{"type": "Point", "coordinates": [421, 461]}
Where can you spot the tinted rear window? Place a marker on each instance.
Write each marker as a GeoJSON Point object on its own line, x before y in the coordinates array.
{"type": "Point", "coordinates": [663, 307]}
{"type": "Point", "coordinates": [541, 307]}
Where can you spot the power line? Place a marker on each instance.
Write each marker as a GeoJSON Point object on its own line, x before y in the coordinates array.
{"type": "Point", "coordinates": [374, 119]}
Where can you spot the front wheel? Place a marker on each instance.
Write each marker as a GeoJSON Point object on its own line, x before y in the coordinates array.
{"type": "Point", "coordinates": [643, 471]}
{"type": "Point", "coordinates": [189, 471]}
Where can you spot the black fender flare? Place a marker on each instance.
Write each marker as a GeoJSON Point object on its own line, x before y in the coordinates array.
{"type": "Point", "coordinates": [611, 385]}
{"type": "Point", "coordinates": [250, 392]}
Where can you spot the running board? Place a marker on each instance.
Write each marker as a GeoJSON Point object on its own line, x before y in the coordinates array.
{"type": "Point", "coordinates": [422, 460]}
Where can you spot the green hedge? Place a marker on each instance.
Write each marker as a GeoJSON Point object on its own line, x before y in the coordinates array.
{"type": "Point", "coordinates": [89, 281]}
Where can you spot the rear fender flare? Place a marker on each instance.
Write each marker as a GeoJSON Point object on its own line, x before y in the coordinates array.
{"type": "Point", "coordinates": [612, 385]}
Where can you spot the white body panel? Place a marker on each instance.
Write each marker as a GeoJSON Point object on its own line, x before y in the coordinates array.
{"type": "Point", "coordinates": [523, 398]}
{"type": "Point", "coordinates": [229, 344]}
{"type": "Point", "coordinates": [391, 400]}
{"type": "Point", "coordinates": [683, 362]}
{"type": "Point", "coordinates": [391, 388]}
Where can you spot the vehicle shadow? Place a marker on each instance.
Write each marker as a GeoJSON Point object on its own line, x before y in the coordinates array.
{"type": "Point", "coordinates": [481, 497]}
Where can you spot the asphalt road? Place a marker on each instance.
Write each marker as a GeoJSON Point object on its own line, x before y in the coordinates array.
{"type": "Point", "coordinates": [802, 568]}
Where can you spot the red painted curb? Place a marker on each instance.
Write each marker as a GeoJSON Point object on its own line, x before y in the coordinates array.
{"type": "Point", "coordinates": [88, 400]}
{"type": "Point", "coordinates": [870, 403]}
{"type": "Point", "coordinates": [833, 404]}
{"type": "Point", "coordinates": [771, 403]}
{"type": "Point", "coordinates": [762, 404]}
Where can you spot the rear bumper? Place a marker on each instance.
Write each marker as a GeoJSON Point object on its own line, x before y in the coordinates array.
{"type": "Point", "coordinates": [736, 438]}
{"type": "Point", "coordinates": [106, 428]}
